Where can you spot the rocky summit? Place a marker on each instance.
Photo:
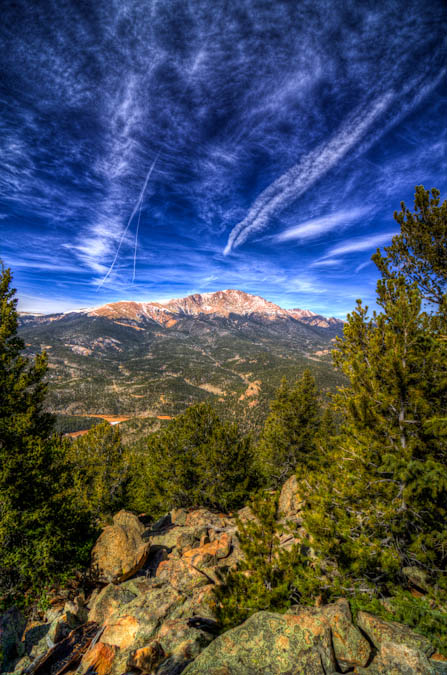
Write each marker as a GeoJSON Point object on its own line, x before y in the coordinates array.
{"type": "Point", "coordinates": [151, 612]}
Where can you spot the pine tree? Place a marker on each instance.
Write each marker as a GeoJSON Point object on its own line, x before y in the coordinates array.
{"type": "Point", "coordinates": [419, 252]}
{"type": "Point", "coordinates": [382, 504]}
{"type": "Point", "coordinates": [100, 470]}
{"type": "Point", "coordinates": [40, 530]}
{"type": "Point", "coordinates": [288, 440]}
{"type": "Point", "coordinates": [195, 461]}
{"type": "Point", "coordinates": [267, 576]}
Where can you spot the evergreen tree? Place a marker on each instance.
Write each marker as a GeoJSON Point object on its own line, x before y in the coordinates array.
{"type": "Point", "coordinates": [288, 440]}
{"type": "Point", "coordinates": [419, 252]}
{"type": "Point", "coordinates": [266, 577]}
{"type": "Point", "coordinates": [41, 533]}
{"type": "Point", "coordinates": [382, 503]}
{"type": "Point", "coordinates": [195, 461]}
{"type": "Point", "coordinates": [100, 470]}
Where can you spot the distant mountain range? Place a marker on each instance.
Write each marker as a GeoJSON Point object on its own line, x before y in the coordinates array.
{"type": "Point", "coordinates": [158, 358]}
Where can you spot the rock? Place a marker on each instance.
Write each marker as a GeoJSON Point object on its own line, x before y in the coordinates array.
{"type": "Point", "coordinates": [245, 514]}
{"type": "Point", "coordinates": [98, 660]}
{"type": "Point", "coordinates": [267, 644]}
{"type": "Point", "coordinates": [36, 640]}
{"type": "Point", "coordinates": [417, 577]}
{"type": "Point", "coordinates": [147, 658]}
{"type": "Point", "coordinates": [290, 504]}
{"type": "Point", "coordinates": [178, 516]}
{"type": "Point", "coordinates": [398, 659]}
{"type": "Point", "coordinates": [204, 518]}
{"type": "Point", "coordinates": [380, 631]}
{"type": "Point", "coordinates": [210, 553]}
{"type": "Point", "coordinates": [77, 609]}
{"type": "Point", "coordinates": [120, 550]}
{"type": "Point", "coordinates": [439, 663]}
{"type": "Point", "coordinates": [108, 601]}
{"type": "Point", "coordinates": [121, 631]}
{"type": "Point", "coordinates": [350, 647]}
{"type": "Point", "coordinates": [181, 575]}
{"type": "Point", "coordinates": [12, 626]}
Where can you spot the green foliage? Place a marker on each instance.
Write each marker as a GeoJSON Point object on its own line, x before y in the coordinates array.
{"type": "Point", "coordinates": [41, 532]}
{"type": "Point", "coordinates": [419, 252]}
{"type": "Point", "coordinates": [266, 578]}
{"type": "Point", "coordinates": [289, 437]}
{"type": "Point", "coordinates": [424, 615]}
{"type": "Point", "coordinates": [99, 470]}
{"type": "Point", "coordinates": [196, 460]}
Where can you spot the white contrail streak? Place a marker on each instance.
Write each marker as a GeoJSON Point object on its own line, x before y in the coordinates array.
{"type": "Point", "coordinates": [135, 209]}
{"type": "Point", "coordinates": [283, 192]}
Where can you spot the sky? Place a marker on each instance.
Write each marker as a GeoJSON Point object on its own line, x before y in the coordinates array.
{"type": "Point", "coordinates": [152, 149]}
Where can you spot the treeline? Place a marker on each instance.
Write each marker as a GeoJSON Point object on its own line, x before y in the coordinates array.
{"type": "Point", "coordinates": [370, 461]}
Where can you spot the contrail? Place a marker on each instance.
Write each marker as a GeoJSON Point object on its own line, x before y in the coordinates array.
{"type": "Point", "coordinates": [135, 209]}
{"type": "Point", "coordinates": [288, 187]}
{"type": "Point", "coordinates": [283, 192]}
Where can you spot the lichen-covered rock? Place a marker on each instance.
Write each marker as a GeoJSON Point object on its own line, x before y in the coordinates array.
{"type": "Point", "coordinates": [350, 647]}
{"type": "Point", "coordinates": [398, 659]}
{"type": "Point", "coordinates": [380, 631]}
{"type": "Point", "coordinates": [181, 575]}
{"type": "Point", "coordinates": [12, 625]}
{"type": "Point", "coordinates": [270, 644]}
{"type": "Point", "coordinates": [120, 550]}
{"type": "Point", "coordinates": [108, 600]}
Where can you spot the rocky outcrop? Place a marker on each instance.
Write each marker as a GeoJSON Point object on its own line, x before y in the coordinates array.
{"type": "Point", "coordinates": [153, 614]}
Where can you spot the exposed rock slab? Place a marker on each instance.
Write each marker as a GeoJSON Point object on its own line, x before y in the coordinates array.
{"type": "Point", "coordinates": [270, 644]}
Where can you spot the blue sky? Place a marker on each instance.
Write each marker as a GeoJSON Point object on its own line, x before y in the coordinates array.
{"type": "Point", "coordinates": [153, 149]}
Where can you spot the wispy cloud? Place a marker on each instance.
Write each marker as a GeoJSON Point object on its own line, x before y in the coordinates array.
{"type": "Point", "coordinates": [286, 189]}
{"type": "Point", "coordinates": [360, 244]}
{"type": "Point", "coordinates": [316, 227]}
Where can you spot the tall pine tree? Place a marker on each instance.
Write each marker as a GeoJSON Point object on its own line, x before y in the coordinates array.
{"type": "Point", "coordinates": [42, 533]}
{"type": "Point", "coordinates": [289, 436]}
{"type": "Point", "coordinates": [382, 503]}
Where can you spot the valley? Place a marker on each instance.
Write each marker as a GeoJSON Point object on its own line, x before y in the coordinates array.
{"type": "Point", "coordinates": [148, 360]}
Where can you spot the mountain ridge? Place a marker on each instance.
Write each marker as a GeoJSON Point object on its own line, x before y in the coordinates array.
{"type": "Point", "coordinates": [217, 303]}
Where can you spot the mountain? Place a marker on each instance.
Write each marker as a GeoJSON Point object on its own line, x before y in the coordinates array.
{"type": "Point", "coordinates": [153, 358]}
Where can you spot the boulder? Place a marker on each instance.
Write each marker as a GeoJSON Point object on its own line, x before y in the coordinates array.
{"type": "Point", "coordinates": [181, 575]}
{"type": "Point", "coordinates": [120, 550]}
{"type": "Point", "coordinates": [210, 553]}
{"type": "Point", "coordinates": [398, 659]}
{"type": "Point", "coordinates": [350, 647]}
{"type": "Point", "coordinates": [108, 600]}
{"type": "Point", "coordinates": [267, 644]}
{"type": "Point", "coordinates": [380, 631]}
